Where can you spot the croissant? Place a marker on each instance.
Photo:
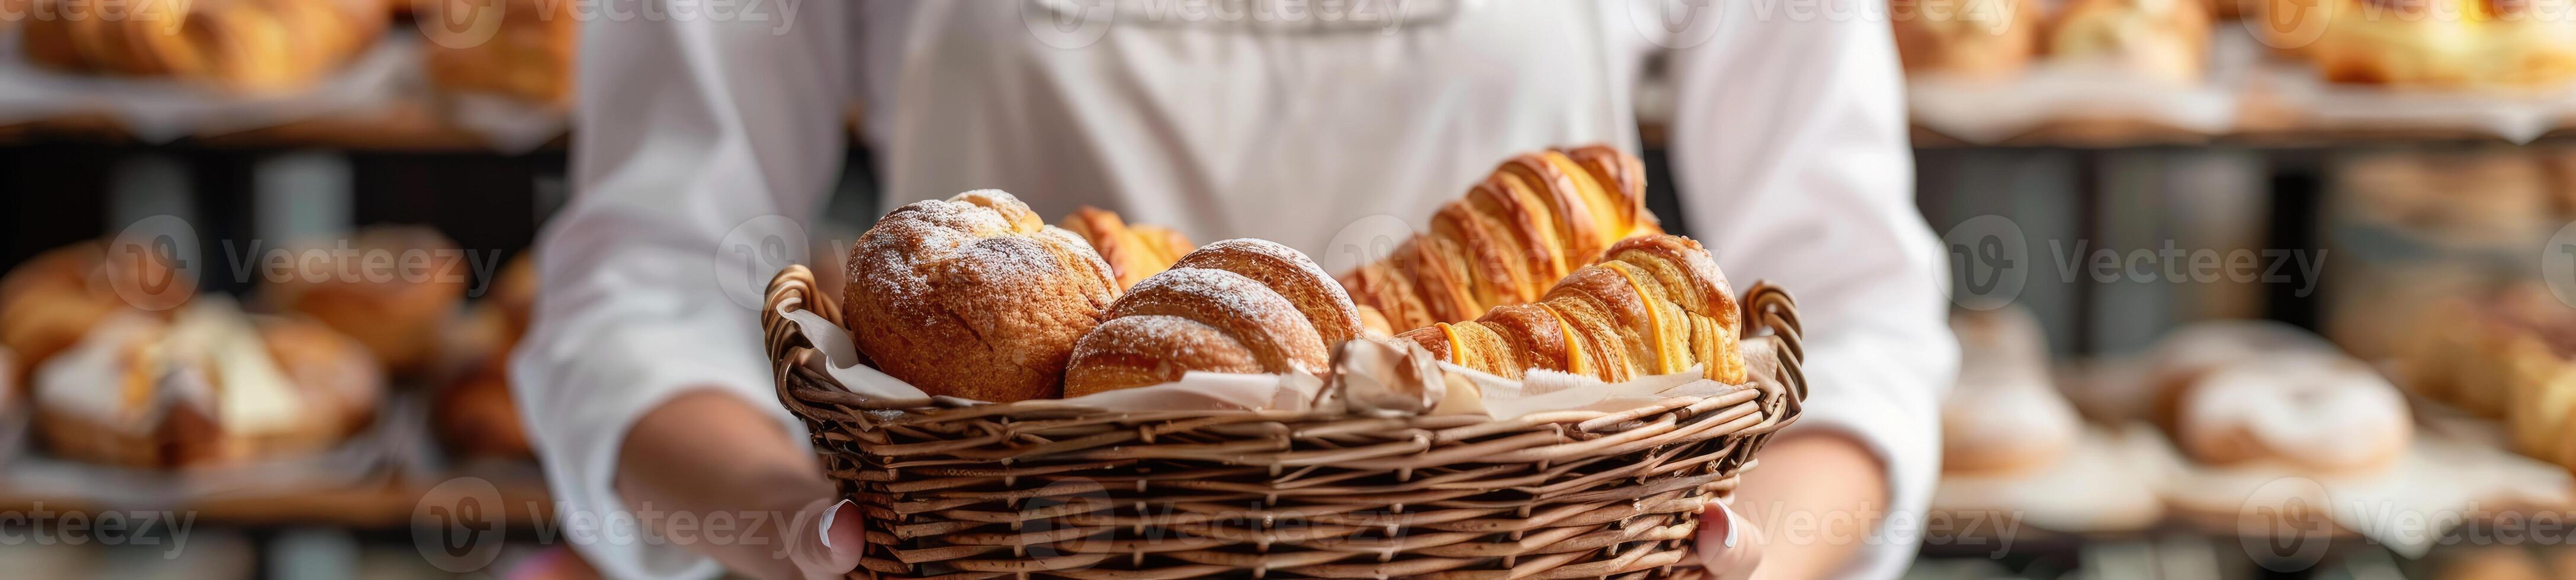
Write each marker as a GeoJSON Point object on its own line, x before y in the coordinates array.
{"type": "Point", "coordinates": [1652, 305]}
{"type": "Point", "coordinates": [1236, 306]}
{"type": "Point", "coordinates": [243, 45]}
{"type": "Point", "coordinates": [1517, 231]}
{"type": "Point", "coordinates": [1134, 252]}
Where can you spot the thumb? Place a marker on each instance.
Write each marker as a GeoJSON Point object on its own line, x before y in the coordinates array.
{"type": "Point", "coordinates": [1729, 546]}
{"type": "Point", "coordinates": [829, 539]}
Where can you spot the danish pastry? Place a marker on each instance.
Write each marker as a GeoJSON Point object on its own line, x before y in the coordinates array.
{"type": "Point", "coordinates": [974, 297]}
{"type": "Point", "coordinates": [1237, 306]}
{"type": "Point", "coordinates": [212, 387]}
{"type": "Point", "coordinates": [1529, 223]}
{"type": "Point", "coordinates": [49, 302]}
{"type": "Point", "coordinates": [1652, 305]}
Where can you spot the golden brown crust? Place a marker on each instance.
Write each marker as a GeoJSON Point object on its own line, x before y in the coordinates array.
{"type": "Point", "coordinates": [1648, 308]}
{"type": "Point", "coordinates": [1236, 306]}
{"type": "Point", "coordinates": [1143, 350]}
{"type": "Point", "coordinates": [1291, 274]}
{"type": "Point", "coordinates": [974, 297]}
{"type": "Point", "coordinates": [530, 57]}
{"type": "Point", "coordinates": [1515, 233]}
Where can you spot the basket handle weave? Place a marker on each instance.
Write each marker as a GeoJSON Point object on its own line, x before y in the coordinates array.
{"type": "Point", "coordinates": [1770, 307]}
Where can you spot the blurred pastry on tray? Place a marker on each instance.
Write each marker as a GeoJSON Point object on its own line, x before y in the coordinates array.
{"type": "Point", "coordinates": [528, 54]}
{"type": "Point", "coordinates": [2166, 40]}
{"type": "Point", "coordinates": [477, 416]}
{"type": "Point", "coordinates": [2511, 354]}
{"type": "Point", "coordinates": [2529, 42]}
{"type": "Point", "coordinates": [1134, 251]}
{"type": "Point", "coordinates": [8, 381]}
{"type": "Point", "coordinates": [2005, 415]}
{"type": "Point", "coordinates": [1984, 39]}
{"type": "Point", "coordinates": [214, 386]}
{"type": "Point", "coordinates": [391, 287]}
{"type": "Point", "coordinates": [2249, 392]}
{"type": "Point", "coordinates": [2422, 43]}
{"type": "Point", "coordinates": [250, 46]}
{"type": "Point", "coordinates": [49, 302]}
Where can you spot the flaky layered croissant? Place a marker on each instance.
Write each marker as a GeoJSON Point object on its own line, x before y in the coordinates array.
{"type": "Point", "coordinates": [1652, 305]}
{"type": "Point", "coordinates": [1134, 251]}
{"type": "Point", "coordinates": [1528, 224]}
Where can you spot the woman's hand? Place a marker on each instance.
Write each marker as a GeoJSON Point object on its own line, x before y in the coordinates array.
{"type": "Point", "coordinates": [1729, 546]}
{"type": "Point", "coordinates": [707, 452]}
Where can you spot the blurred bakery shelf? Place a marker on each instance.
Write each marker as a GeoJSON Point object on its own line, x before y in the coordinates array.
{"type": "Point", "coordinates": [385, 504]}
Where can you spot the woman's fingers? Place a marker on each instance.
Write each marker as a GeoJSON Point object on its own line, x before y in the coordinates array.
{"type": "Point", "coordinates": [1728, 546]}
{"type": "Point", "coordinates": [829, 541]}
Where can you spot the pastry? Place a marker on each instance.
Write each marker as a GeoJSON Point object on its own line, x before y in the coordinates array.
{"type": "Point", "coordinates": [1978, 38]}
{"type": "Point", "coordinates": [392, 288]}
{"type": "Point", "coordinates": [2005, 416]}
{"type": "Point", "coordinates": [974, 297]}
{"type": "Point", "coordinates": [2395, 42]}
{"type": "Point", "coordinates": [476, 416]}
{"type": "Point", "coordinates": [241, 45]}
{"type": "Point", "coordinates": [2317, 410]}
{"type": "Point", "coordinates": [514, 293]}
{"type": "Point", "coordinates": [1235, 306]}
{"type": "Point", "coordinates": [211, 387]}
{"type": "Point", "coordinates": [1652, 305]}
{"type": "Point", "coordinates": [2530, 43]}
{"type": "Point", "coordinates": [529, 56]}
{"type": "Point", "coordinates": [49, 302]}
{"type": "Point", "coordinates": [2167, 40]}
{"type": "Point", "coordinates": [1529, 223]}
{"type": "Point", "coordinates": [2190, 353]}
{"type": "Point", "coordinates": [1134, 252]}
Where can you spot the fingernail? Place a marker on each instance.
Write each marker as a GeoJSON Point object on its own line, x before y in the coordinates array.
{"type": "Point", "coordinates": [1729, 540]}
{"type": "Point", "coordinates": [835, 513]}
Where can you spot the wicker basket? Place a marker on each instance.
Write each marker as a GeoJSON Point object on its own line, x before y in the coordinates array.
{"type": "Point", "coordinates": [1047, 488]}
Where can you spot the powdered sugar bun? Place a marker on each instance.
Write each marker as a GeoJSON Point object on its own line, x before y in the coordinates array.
{"type": "Point", "coordinates": [974, 297]}
{"type": "Point", "coordinates": [2005, 416]}
{"type": "Point", "coordinates": [2318, 410]}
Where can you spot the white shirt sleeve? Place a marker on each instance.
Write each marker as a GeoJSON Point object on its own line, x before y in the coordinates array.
{"type": "Point", "coordinates": [692, 132]}
{"type": "Point", "coordinates": [1790, 147]}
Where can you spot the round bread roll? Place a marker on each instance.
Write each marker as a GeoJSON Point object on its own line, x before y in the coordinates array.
{"type": "Point", "coordinates": [2320, 411]}
{"type": "Point", "coordinates": [476, 416]}
{"type": "Point", "coordinates": [392, 288]}
{"type": "Point", "coordinates": [974, 297]}
{"type": "Point", "coordinates": [2394, 42]}
{"type": "Point", "coordinates": [2167, 40]}
{"type": "Point", "coordinates": [2005, 416]}
{"type": "Point", "coordinates": [1235, 306]}
{"type": "Point", "coordinates": [1976, 39]}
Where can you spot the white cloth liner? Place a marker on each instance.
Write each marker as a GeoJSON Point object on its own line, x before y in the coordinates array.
{"type": "Point", "coordinates": [1503, 398]}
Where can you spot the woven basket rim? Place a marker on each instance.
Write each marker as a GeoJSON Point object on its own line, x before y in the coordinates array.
{"type": "Point", "coordinates": [1766, 308]}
